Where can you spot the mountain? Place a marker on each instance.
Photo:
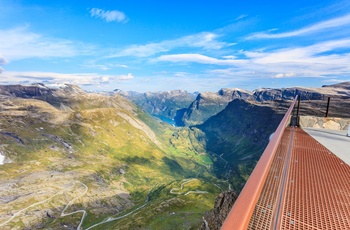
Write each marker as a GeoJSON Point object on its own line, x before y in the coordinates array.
{"type": "Point", "coordinates": [163, 104]}
{"type": "Point", "coordinates": [81, 159]}
{"type": "Point", "coordinates": [208, 104]}
{"type": "Point", "coordinates": [334, 91]}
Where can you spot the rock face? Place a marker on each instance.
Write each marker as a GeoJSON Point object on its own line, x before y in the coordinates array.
{"type": "Point", "coordinates": [214, 219]}
{"type": "Point", "coordinates": [323, 122]}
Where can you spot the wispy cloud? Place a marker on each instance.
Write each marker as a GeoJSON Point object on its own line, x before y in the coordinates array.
{"type": "Point", "coordinates": [104, 67]}
{"type": "Point", "coordinates": [285, 75]}
{"type": "Point", "coordinates": [318, 60]}
{"type": "Point", "coordinates": [198, 58]}
{"type": "Point", "coordinates": [320, 26]}
{"type": "Point", "coordinates": [241, 17]}
{"type": "Point", "coordinates": [108, 16]}
{"type": "Point", "coordinates": [313, 54]}
{"type": "Point", "coordinates": [19, 43]}
{"type": "Point", "coordinates": [52, 78]}
{"type": "Point", "coordinates": [205, 40]}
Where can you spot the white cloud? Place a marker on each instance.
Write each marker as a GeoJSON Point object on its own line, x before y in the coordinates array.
{"type": "Point", "coordinates": [52, 78]}
{"type": "Point", "coordinates": [129, 76]}
{"type": "Point", "coordinates": [320, 26]}
{"type": "Point", "coordinates": [19, 43]}
{"type": "Point", "coordinates": [205, 40]}
{"type": "Point", "coordinates": [230, 57]}
{"type": "Point", "coordinates": [198, 58]}
{"type": "Point", "coordinates": [182, 74]}
{"type": "Point", "coordinates": [105, 78]}
{"type": "Point", "coordinates": [284, 75]}
{"type": "Point", "coordinates": [108, 16]}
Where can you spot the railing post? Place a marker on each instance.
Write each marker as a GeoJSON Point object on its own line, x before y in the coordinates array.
{"type": "Point", "coordinates": [295, 119]}
{"type": "Point", "coordinates": [298, 117]}
{"type": "Point", "coordinates": [329, 99]}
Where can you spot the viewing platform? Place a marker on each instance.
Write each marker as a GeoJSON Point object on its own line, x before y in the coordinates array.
{"type": "Point", "coordinates": [302, 181]}
{"type": "Point", "coordinates": [336, 141]}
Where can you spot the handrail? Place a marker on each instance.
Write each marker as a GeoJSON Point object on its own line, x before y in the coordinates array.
{"type": "Point", "coordinates": [244, 206]}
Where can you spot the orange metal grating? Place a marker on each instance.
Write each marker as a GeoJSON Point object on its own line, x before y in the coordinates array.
{"type": "Point", "coordinates": [316, 192]}
{"type": "Point", "coordinates": [264, 209]}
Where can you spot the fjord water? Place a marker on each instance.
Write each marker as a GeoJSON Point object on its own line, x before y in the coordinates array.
{"type": "Point", "coordinates": [165, 119]}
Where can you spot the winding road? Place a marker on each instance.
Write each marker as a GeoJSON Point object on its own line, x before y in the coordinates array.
{"type": "Point", "coordinates": [109, 219]}
{"type": "Point", "coordinates": [43, 201]}
{"type": "Point", "coordinates": [186, 181]}
{"type": "Point", "coordinates": [78, 211]}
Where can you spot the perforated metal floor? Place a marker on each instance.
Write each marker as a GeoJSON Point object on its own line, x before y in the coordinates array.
{"type": "Point", "coordinates": [307, 187]}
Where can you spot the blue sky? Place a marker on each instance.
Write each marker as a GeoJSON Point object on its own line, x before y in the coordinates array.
{"type": "Point", "coordinates": [164, 45]}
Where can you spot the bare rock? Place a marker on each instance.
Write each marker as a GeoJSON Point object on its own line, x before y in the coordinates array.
{"type": "Point", "coordinates": [215, 218]}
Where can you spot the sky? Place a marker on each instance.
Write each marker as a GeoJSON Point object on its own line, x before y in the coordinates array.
{"type": "Point", "coordinates": [158, 45]}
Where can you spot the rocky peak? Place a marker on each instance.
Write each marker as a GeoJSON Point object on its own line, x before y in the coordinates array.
{"type": "Point", "coordinates": [31, 91]}
{"type": "Point", "coordinates": [169, 94]}
{"type": "Point", "coordinates": [234, 93]}
{"type": "Point", "coordinates": [288, 94]}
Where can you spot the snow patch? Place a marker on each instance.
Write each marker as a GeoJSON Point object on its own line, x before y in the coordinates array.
{"type": "Point", "coordinates": [2, 159]}
{"type": "Point", "coordinates": [56, 85]}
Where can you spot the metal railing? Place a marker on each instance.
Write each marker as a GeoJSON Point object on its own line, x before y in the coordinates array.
{"type": "Point", "coordinates": [243, 208]}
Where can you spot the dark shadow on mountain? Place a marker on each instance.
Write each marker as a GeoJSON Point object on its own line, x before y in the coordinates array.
{"type": "Point", "coordinates": [178, 117]}
{"type": "Point", "coordinates": [137, 160]}
{"type": "Point", "coordinates": [237, 136]}
{"type": "Point", "coordinates": [173, 165]}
